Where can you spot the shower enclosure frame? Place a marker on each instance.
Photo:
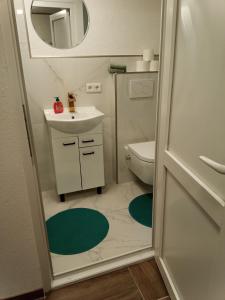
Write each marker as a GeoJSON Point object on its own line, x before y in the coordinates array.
{"type": "Point", "coordinates": [37, 210]}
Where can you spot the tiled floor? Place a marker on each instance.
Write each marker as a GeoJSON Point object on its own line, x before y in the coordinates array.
{"type": "Point", "coordinates": [138, 282]}
{"type": "Point", "coordinates": [125, 234]}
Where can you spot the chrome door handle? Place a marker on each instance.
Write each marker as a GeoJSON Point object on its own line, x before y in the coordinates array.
{"type": "Point", "coordinates": [219, 168]}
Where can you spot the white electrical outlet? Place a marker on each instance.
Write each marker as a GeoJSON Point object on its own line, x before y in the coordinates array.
{"type": "Point", "coordinates": [93, 88]}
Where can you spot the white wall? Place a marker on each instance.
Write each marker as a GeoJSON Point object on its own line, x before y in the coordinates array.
{"type": "Point", "coordinates": [49, 77]}
{"type": "Point", "coordinates": [117, 27]}
{"type": "Point", "coordinates": [19, 265]}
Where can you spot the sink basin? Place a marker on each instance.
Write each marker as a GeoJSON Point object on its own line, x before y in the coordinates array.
{"type": "Point", "coordinates": [84, 119]}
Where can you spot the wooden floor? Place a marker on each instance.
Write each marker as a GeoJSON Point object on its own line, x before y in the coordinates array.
{"type": "Point", "coordinates": [138, 282]}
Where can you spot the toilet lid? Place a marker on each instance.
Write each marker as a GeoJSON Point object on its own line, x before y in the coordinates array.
{"type": "Point", "coordinates": [144, 151]}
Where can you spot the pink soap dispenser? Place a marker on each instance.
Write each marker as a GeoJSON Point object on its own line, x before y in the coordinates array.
{"type": "Point", "coordinates": [58, 106]}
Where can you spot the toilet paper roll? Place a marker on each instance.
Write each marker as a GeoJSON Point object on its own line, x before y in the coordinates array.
{"type": "Point", "coordinates": [154, 66]}
{"type": "Point", "coordinates": [148, 54]}
{"type": "Point", "coordinates": [142, 66]}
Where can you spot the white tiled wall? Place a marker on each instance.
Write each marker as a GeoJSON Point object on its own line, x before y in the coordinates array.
{"type": "Point", "coordinates": [49, 77]}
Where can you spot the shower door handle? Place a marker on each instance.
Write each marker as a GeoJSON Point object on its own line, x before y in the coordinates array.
{"type": "Point", "coordinates": [219, 168]}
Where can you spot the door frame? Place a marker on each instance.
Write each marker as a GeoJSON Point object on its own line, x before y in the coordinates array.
{"type": "Point", "coordinates": [168, 43]}
{"type": "Point", "coordinates": [168, 31]}
{"type": "Point", "coordinates": [166, 65]}
{"type": "Point", "coordinates": [33, 183]}
{"type": "Point", "coordinates": [37, 209]}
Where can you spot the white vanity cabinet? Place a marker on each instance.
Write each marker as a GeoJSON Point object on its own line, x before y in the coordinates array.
{"type": "Point", "coordinates": [78, 160]}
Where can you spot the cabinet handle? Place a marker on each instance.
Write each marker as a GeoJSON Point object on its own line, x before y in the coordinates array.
{"type": "Point", "coordinates": [89, 153]}
{"type": "Point", "coordinates": [69, 144]}
{"type": "Point", "coordinates": [88, 141]}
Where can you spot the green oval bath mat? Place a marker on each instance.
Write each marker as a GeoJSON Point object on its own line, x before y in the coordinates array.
{"type": "Point", "coordinates": [141, 209]}
{"type": "Point", "coordinates": [76, 230]}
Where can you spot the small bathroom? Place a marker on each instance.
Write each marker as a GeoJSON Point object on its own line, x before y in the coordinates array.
{"type": "Point", "coordinates": [112, 163]}
{"type": "Point", "coordinates": [91, 72]}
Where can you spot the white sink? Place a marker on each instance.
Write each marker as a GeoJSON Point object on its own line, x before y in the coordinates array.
{"type": "Point", "coordinates": [84, 119]}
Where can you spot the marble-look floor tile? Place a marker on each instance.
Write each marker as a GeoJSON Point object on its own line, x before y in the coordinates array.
{"type": "Point", "coordinates": [125, 234]}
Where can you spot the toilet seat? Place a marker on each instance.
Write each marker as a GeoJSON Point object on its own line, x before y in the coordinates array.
{"type": "Point", "coordinates": [141, 160]}
{"type": "Point", "coordinates": [144, 151]}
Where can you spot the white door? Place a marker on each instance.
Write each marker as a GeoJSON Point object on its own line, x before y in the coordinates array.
{"type": "Point", "coordinates": [189, 193]}
{"type": "Point", "coordinates": [60, 29]}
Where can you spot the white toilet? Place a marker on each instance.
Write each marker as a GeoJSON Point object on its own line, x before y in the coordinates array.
{"type": "Point", "coordinates": [141, 160]}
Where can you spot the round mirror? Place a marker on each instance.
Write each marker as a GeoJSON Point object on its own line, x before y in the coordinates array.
{"type": "Point", "coordinates": [62, 24]}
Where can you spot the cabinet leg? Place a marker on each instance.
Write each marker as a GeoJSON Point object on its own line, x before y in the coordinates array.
{"type": "Point", "coordinates": [62, 198]}
{"type": "Point", "coordinates": [99, 190]}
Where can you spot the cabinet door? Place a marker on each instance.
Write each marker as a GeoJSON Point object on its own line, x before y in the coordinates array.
{"type": "Point", "coordinates": [67, 165]}
{"type": "Point", "coordinates": [92, 167]}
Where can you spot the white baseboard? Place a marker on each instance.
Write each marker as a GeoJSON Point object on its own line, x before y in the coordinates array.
{"type": "Point", "coordinates": [167, 279]}
{"type": "Point", "coordinates": [102, 267]}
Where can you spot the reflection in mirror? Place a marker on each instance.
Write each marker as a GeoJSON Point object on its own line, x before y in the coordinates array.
{"type": "Point", "coordinates": [62, 24]}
